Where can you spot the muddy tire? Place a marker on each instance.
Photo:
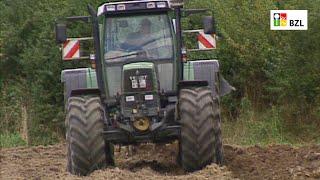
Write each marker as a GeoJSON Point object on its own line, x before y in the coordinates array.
{"type": "Point", "coordinates": [86, 148]}
{"type": "Point", "coordinates": [199, 116]}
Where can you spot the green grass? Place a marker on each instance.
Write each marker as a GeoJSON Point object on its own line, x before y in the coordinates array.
{"type": "Point", "coordinates": [268, 127]}
{"type": "Point", "coordinates": [43, 135]}
{"type": "Point", "coordinates": [14, 139]}
{"type": "Point", "coordinates": [11, 140]}
{"type": "Point", "coordinates": [45, 139]}
{"type": "Point", "coordinates": [248, 132]}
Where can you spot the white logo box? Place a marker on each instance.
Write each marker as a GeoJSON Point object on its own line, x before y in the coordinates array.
{"type": "Point", "coordinates": [298, 17]}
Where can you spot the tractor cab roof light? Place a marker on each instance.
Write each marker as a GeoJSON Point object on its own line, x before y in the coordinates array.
{"type": "Point", "coordinates": [111, 8]}
{"type": "Point", "coordinates": [161, 4]}
{"type": "Point", "coordinates": [151, 5]}
{"type": "Point", "coordinates": [121, 7]}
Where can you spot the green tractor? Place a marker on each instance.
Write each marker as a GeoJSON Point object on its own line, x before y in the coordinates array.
{"type": "Point", "coordinates": [141, 89]}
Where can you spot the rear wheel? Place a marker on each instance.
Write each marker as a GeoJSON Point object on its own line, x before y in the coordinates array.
{"type": "Point", "coordinates": [199, 116]}
{"type": "Point", "coordinates": [86, 148]}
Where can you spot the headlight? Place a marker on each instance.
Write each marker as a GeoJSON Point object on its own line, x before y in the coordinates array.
{"type": "Point", "coordinates": [129, 98]}
{"type": "Point", "coordinates": [148, 97]}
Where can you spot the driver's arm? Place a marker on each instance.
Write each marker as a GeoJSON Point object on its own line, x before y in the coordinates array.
{"type": "Point", "coordinates": [131, 43]}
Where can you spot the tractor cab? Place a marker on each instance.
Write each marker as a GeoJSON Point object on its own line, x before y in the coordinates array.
{"type": "Point", "coordinates": [145, 31]}
{"type": "Point", "coordinates": [133, 32]}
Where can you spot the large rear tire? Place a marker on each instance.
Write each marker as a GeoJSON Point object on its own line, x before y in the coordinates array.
{"type": "Point", "coordinates": [199, 115]}
{"type": "Point", "coordinates": [86, 148]}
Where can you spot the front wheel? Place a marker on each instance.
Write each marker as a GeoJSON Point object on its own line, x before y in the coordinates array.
{"type": "Point", "coordinates": [86, 148]}
{"type": "Point", "coordinates": [199, 116]}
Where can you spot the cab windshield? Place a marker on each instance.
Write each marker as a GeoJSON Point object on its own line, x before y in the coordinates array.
{"type": "Point", "coordinates": [142, 36]}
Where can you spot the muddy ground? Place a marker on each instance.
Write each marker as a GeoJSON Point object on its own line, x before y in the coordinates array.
{"type": "Point", "coordinates": [271, 162]}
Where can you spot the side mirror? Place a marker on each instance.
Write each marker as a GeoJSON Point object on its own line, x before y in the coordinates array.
{"type": "Point", "coordinates": [61, 32]}
{"type": "Point", "coordinates": [208, 25]}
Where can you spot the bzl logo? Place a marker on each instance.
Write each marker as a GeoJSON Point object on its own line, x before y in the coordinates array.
{"type": "Point", "coordinates": [288, 19]}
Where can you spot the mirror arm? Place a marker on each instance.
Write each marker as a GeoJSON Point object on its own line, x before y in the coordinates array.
{"type": "Point", "coordinates": [188, 12]}
{"type": "Point", "coordinates": [85, 19]}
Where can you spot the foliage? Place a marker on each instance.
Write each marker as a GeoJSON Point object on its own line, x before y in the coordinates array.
{"type": "Point", "coordinates": [267, 127]}
{"type": "Point", "coordinates": [11, 140]}
{"type": "Point", "coordinates": [276, 73]}
{"type": "Point", "coordinates": [30, 65]}
{"type": "Point", "coordinates": [255, 127]}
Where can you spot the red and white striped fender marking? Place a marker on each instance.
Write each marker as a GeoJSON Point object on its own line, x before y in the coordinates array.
{"type": "Point", "coordinates": [71, 49]}
{"type": "Point", "coordinates": [206, 41]}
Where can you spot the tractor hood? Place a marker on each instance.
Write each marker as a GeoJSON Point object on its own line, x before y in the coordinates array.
{"type": "Point", "coordinates": [139, 90]}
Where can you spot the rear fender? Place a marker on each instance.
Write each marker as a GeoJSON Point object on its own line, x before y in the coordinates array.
{"type": "Point", "coordinates": [79, 82]}
{"type": "Point", "coordinates": [83, 92]}
{"type": "Point", "coordinates": [195, 83]}
{"type": "Point", "coordinates": [208, 71]}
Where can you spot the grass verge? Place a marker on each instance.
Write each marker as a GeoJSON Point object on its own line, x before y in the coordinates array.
{"type": "Point", "coordinates": [268, 127]}
{"type": "Point", "coordinates": [11, 140]}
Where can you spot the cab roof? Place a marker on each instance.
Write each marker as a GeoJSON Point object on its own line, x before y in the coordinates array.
{"type": "Point", "coordinates": [133, 6]}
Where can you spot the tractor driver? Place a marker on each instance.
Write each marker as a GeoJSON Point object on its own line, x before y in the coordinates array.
{"type": "Point", "coordinates": [137, 40]}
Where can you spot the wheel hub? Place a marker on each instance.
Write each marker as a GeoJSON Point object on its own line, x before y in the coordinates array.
{"type": "Point", "coordinates": [141, 123]}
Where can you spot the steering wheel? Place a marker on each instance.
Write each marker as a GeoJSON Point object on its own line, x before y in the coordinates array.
{"type": "Point", "coordinates": [136, 48]}
{"type": "Point", "coordinates": [150, 41]}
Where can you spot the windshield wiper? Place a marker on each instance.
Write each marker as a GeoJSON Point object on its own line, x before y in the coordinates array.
{"type": "Point", "coordinates": [127, 55]}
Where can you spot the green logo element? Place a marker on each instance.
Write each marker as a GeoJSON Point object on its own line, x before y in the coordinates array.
{"type": "Point", "coordinates": [276, 19]}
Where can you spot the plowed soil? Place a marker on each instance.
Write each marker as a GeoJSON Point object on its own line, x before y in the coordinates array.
{"type": "Point", "coordinates": [149, 162]}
